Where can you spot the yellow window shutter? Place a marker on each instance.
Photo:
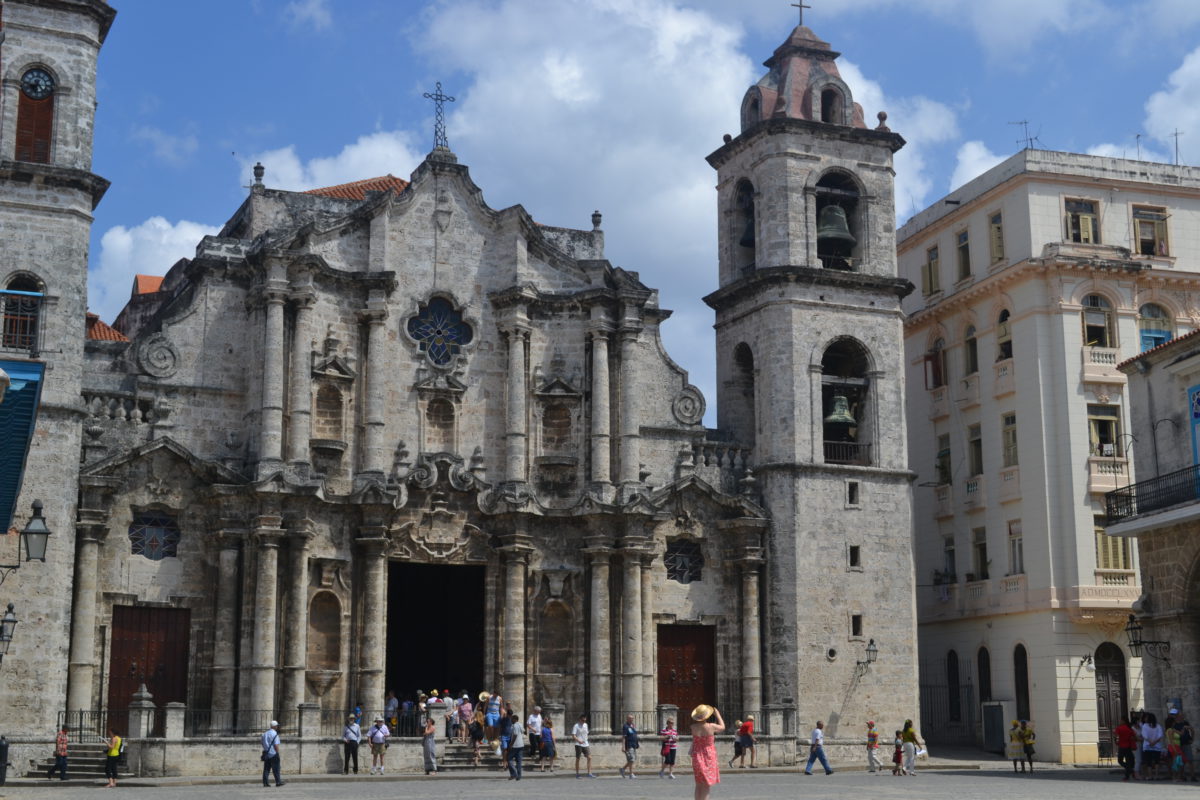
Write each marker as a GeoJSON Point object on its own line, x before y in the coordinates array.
{"type": "Point", "coordinates": [1085, 228]}
{"type": "Point", "coordinates": [1160, 237]}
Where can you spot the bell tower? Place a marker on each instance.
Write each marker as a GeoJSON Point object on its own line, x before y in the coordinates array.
{"type": "Point", "coordinates": [48, 60]}
{"type": "Point", "coordinates": [810, 374]}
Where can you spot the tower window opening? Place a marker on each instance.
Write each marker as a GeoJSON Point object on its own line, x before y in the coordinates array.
{"type": "Point", "coordinates": [745, 226]}
{"type": "Point", "coordinates": [838, 217]}
{"type": "Point", "coordinates": [1098, 328]}
{"type": "Point", "coordinates": [35, 116]}
{"type": "Point", "coordinates": [20, 311]}
{"type": "Point", "coordinates": [844, 396]}
{"type": "Point", "coordinates": [742, 395]}
{"type": "Point", "coordinates": [832, 106]}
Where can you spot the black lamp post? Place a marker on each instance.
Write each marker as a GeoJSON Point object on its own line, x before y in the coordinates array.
{"type": "Point", "coordinates": [1153, 647]}
{"type": "Point", "coordinates": [33, 541]}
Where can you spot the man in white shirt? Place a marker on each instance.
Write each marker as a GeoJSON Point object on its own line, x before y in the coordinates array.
{"type": "Point", "coordinates": [816, 750]}
{"type": "Point", "coordinates": [351, 737]}
{"type": "Point", "coordinates": [378, 737]}
{"type": "Point", "coordinates": [270, 753]}
{"type": "Point", "coordinates": [580, 734]}
{"type": "Point", "coordinates": [534, 727]}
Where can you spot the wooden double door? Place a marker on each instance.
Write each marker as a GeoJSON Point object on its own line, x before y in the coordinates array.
{"type": "Point", "coordinates": [687, 667]}
{"type": "Point", "coordinates": [1111, 700]}
{"type": "Point", "coordinates": [149, 645]}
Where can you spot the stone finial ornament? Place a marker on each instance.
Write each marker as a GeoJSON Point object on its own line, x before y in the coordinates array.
{"type": "Point", "coordinates": [727, 138]}
{"type": "Point", "coordinates": [882, 126]}
{"type": "Point", "coordinates": [596, 217]}
{"type": "Point", "coordinates": [259, 171]}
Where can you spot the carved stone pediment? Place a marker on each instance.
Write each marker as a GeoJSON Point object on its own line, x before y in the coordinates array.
{"type": "Point", "coordinates": [335, 367]}
{"type": "Point", "coordinates": [439, 383]}
{"type": "Point", "coordinates": [440, 535]}
{"type": "Point", "coordinates": [558, 387]}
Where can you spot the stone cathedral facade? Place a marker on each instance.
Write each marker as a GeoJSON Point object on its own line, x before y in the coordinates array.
{"type": "Point", "coordinates": [382, 435]}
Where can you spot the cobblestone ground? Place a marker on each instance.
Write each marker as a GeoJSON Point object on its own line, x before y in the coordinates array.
{"type": "Point", "coordinates": [987, 784]}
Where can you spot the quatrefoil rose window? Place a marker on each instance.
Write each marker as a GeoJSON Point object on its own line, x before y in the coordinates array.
{"type": "Point", "coordinates": [439, 331]}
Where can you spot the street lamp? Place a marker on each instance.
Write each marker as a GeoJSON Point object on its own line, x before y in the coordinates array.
{"type": "Point", "coordinates": [861, 667]}
{"type": "Point", "coordinates": [34, 539]}
{"type": "Point", "coordinates": [1153, 647]}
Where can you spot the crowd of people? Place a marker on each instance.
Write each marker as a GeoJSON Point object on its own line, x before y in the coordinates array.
{"type": "Point", "coordinates": [1148, 750]}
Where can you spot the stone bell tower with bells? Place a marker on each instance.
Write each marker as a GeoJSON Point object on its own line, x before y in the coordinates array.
{"type": "Point", "coordinates": [810, 375]}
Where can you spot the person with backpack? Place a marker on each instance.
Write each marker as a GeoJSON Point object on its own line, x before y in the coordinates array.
{"type": "Point", "coordinates": [270, 754]}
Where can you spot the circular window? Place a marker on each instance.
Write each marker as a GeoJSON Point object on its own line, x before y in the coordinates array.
{"type": "Point", "coordinates": [439, 331]}
{"type": "Point", "coordinates": [37, 84]}
{"type": "Point", "coordinates": [831, 653]}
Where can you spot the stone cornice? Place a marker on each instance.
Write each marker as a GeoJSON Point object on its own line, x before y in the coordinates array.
{"type": "Point", "coordinates": [102, 12]}
{"type": "Point", "coordinates": [807, 129]}
{"type": "Point", "coordinates": [769, 277]}
{"type": "Point", "coordinates": [55, 177]}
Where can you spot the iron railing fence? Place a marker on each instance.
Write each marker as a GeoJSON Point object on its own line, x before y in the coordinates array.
{"type": "Point", "coordinates": [88, 727]}
{"type": "Point", "coordinates": [1174, 488]}
{"type": "Point", "coordinates": [855, 453]}
{"type": "Point", "coordinates": [20, 316]}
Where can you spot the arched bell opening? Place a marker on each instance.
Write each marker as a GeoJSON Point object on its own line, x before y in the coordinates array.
{"type": "Point", "coordinates": [838, 221]}
{"type": "Point", "coordinates": [745, 227]}
{"type": "Point", "coordinates": [741, 398]}
{"type": "Point", "coordinates": [844, 403]}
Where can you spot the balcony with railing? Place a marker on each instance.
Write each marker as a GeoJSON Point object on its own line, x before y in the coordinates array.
{"type": "Point", "coordinates": [944, 501]}
{"type": "Point", "coordinates": [938, 407]}
{"type": "Point", "coordinates": [1005, 383]}
{"type": "Point", "coordinates": [1100, 365]}
{"type": "Point", "coordinates": [968, 391]}
{"type": "Point", "coordinates": [1173, 489]}
{"type": "Point", "coordinates": [20, 318]}
{"type": "Point", "coordinates": [1010, 484]}
{"type": "Point", "coordinates": [856, 454]}
{"type": "Point", "coordinates": [975, 495]}
{"type": "Point", "coordinates": [1106, 474]}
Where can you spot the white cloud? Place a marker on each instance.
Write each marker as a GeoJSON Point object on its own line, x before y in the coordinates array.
{"type": "Point", "coordinates": [309, 12]}
{"type": "Point", "coordinates": [925, 125]}
{"type": "Point", "coordinates": [973, 160]}
{"type": "Point", "coordinates": [1110, 150]}
{"type": "Point", "coordinates": [371, 155]}
{"type": "Point", "coordinates": [174, 150]}
{"type": "Point", "coordinates": [1178, 108]}
{"type": "Point", "coordinates": [149, 248]}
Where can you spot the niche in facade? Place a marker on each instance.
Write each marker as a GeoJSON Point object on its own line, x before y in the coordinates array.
{"type": "Point", "coordinates": [559, 412]}
{"type": "Point", "coordinates": [844, 403]}
{"type": "Point", "coordinates": [745, 226]}
{"type": "Point", "coordinates": [839, 222]}
{"type": "Point", "coordinates": [439, 426]}
{"type": "Point", "coordinates": [555, 634]}
{"type": "Point", "coordinates": [741, 395]}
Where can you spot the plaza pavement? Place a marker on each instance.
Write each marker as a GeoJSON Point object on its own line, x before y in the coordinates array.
{"type": "Point", "coordinates": [942, 779]}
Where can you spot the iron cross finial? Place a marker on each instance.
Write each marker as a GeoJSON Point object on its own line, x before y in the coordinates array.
{"type": "Point", "coordinates": [801, 6]}
{"type": "Point", "coordinates": [439, 120]}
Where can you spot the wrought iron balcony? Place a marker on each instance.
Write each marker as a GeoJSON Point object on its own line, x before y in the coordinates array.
{"type": "Point", "coordinates": [20, 321]}
{"type": "Point", "coordinates": [1172, 489]}
{"type": "Point", "coordinates": [855, 453]}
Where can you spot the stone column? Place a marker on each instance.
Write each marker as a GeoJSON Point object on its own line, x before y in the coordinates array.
{"type": "Point", "coordinates": [225, 625]}
{"type": "Point", "coordinates": [751, 637]}
{"type": "Point", "coordinates": [630, 399]}
{"type": "Point", "coordinates": [270, 447]}
{"type": "Point", "coordinates": [267, 535]}
{"type": "Point", "coordinates": [599, 643]}
{"type": "Point", "coordinates": [300, 405]}
{"type": "Point", "coordinates": [375, 456]}
{"type": "Point", "coordinates": [631, 631]}
{"type": "Point", "coordinates": [82, 666]}
{"type": "Point", "coordinates": [295, 653]}
{"type": "Point", "coordinates": [512, 659]}
{"type": "Point", "coordinates": [649, 637]}
{"type": "Point", "coordinates": [601, 414]}
{"type": "Point", "coordinates": [372, 543]}
{"type": "Point", "coordinates": [515, 470]}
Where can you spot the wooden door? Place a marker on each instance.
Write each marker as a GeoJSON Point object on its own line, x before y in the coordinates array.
{"type": "Point", "coordinates": [1110, 695]}
{"type": "Point", "coordinates": [687, 666]}
{"type": "Point", "coordinates": [149, 645]}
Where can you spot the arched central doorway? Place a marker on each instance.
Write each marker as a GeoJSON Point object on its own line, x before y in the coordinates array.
{"type": "Point", "coordinates": [1110, 694]}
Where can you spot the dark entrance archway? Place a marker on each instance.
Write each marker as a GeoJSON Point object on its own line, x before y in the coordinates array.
{"type": "Point", "coordinates": [435, 630]}
{"type": "Point", "coordinates": [1110, 695]}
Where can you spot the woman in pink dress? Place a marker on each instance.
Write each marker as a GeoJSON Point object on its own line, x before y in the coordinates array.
{"type": "Point", "coordinates": [706, 722]}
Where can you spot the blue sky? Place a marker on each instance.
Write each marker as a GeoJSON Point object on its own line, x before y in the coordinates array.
{"type": "Point", "coordinates": [566, 106]}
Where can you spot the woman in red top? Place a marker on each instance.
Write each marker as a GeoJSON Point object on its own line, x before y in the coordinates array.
{"type": "Point", "coordinates": [745, 737]}
{"type": "Point", "coordinates": [1126, 743]}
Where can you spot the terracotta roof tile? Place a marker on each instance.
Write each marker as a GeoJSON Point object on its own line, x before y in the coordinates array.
{"type": "Point", "coordinates": [98, 330]}
{"type": "Point", "coordinates": [358, 189]}
{"type": "Point", "coordinates": [147, 284]}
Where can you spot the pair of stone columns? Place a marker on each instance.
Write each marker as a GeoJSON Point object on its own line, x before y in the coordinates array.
{"type": "Point", "coordinates": [638, 689]}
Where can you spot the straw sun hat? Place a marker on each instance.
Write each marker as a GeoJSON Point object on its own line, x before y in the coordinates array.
{"type": "Point", "coordinates": [702, 712]}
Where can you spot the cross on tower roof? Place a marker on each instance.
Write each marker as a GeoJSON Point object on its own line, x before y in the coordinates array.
{"type": "Point", "coordinates": [801, 6]}
{"type": "Point", "coordinates": [439, 119]}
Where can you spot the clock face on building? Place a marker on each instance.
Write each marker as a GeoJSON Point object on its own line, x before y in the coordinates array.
{"type": "Point", "coordinates": [37, 84]}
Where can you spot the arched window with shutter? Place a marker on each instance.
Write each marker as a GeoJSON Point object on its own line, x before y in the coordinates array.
{"type": "Point", "coordinates": [35, 116]}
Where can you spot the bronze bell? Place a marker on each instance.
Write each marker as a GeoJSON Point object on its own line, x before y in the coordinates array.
{"type": "Point", "coordinates": [832, 225]}
{"type": "Point", "coordinates": [747, 239]}
{"type": "Point", "coordinates": [841, 412]}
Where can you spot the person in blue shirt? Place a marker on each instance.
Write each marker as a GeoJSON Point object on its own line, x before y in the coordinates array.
{"type": "Point", "coordinates": [629, 744]}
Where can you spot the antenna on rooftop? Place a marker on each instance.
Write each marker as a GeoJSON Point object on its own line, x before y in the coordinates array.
{"type": "Point", "coordinates": [1028, 141]}
{"type": "Point", "coordinates": [1138, 138]}
{"type": "Point", "coordinates": [1176, 136]}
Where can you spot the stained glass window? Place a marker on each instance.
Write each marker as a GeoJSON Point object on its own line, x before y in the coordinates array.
{"type": "Point", "coordinates": [440, 331]}
{"type": "Point", "coordinates": [154, 534]}
{"type": "Point", "coordinates": [684, 561]}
